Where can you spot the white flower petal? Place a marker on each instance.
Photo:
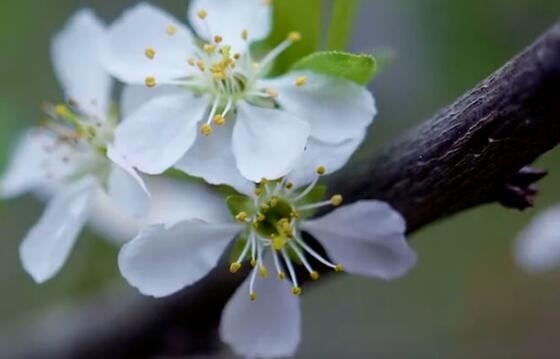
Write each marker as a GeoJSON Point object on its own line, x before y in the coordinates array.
{"type": "Point", "coordinates": [110, 222]}
{"type": "Point", "coordinates": [367, 237]}
{"type": "Point", "coordinates": [174, 201]}
{"type": "Point", "coordinates": [159, 133]}
{"type": "Point", "coordinates": [25, 171]}
{"type": "Point", "coordinates": [267, 143]}
{"type": "Point", "coordinates": [337, 109]}
{"type": "Point", "coordinates": [212, 159]}
{"type": "Point", "coordinates": [75, 54]}
{"type": "Point", "coordinates": [146, 27]}
{"type": "Point", "coordinates": [47, 245]}
{"type": "Point", "coordinates": [126, 188]}
{"type": "Point", "coordinates": [538, 245]}
{"type": "Point", "coordinates": [134, 96]}
{"type": "Point", "coordinates": [162, 260]}
{"type": "Point", "coordinates": [318, 153]}
{"type": "Point", "coordinates": [229, 18]}
{"type": "Point", "coordinates": [268, 327]}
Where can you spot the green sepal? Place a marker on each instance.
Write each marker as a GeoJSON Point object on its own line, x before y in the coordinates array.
{"type": "Point", "coordinates": [357, 68]}
{"type": "Point", "coordinates": [238, 203]}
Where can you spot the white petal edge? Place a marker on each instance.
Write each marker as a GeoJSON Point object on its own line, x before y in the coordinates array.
{"type": "Point", "coordinates": [366, 237]}
{"type": "Point", "coordinates": [317, 153]}
{"type": "Point", "coordinates": [537, 248]}
{"type": "Point", "coordinates": [125, 187]}
{"type": "Point", "coordinates": [229, 18]}
{"type": "Point", "coordinates": [25, 171]}
{"type": "Point", "coordinates": [337, 109]}
{"type": "Point", "coordinates": [162, 260]}
{"type": "Point", "coordinates": [268, 327]}
{"type": "Point", "coordinates": [75, 53]}
{"type": "Point", "coordinates": [153, 138]}
{"type": "Point", "coordinates": [145, 27]}
{"type": "Point", "coordinates": [211, 158]}
{"type": "Point", "coordinates": [267, 143]}
{"type": "Point", "coordinates": [47, 245]}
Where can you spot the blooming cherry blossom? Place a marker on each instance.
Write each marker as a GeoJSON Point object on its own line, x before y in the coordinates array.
{"type": "Point", "coordinates": [208, 109]}
{"type": "Point", "coordinates": [262, 319]}
{"type": "Point", "coordinates": [70, 160]}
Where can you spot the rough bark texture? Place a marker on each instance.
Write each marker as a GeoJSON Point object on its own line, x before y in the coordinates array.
{"type": "Point", "coordinates": [469, 154]}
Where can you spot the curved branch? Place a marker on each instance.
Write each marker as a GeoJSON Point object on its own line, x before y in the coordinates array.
{"type": "Point", "coordinates": [469, 154]}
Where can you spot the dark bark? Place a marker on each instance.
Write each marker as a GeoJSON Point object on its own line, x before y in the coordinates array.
{"type": "Point", "coordinates": [470, 153]}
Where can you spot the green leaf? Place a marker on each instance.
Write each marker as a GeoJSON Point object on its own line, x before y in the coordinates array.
{"type": "Point", "coordinates": [358, 68]}
{"type": "Point", "coordinates": [237, 203]}
{"type": "Point", "coordinates": [303, 16]}
{"type": "Point", "coordinates": [342, 21]}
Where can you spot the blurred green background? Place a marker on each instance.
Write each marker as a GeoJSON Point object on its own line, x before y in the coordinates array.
{"type": "Point", "coordinates": [465, 299]}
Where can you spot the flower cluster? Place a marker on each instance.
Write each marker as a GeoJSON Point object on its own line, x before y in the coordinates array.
{"type": "Point", "coordinates": [203, 104]}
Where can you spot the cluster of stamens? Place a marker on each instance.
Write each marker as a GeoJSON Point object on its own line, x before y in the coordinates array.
{"type": "Point", "coordinates": [273, 224]}
{"type": "Point", "coordinates": [79, 141]}
{"type": "Point", "coordinates": [227, 75]}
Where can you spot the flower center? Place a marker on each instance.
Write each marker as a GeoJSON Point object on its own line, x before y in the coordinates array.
{"type": "Point", "coordinates": [79, 144]}
{"type": "Point", "coordinates": [272, 222]}
{"type": "Point", "coordinates": [225, 75]}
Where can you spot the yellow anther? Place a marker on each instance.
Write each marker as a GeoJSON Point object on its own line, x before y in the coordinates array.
{"type": "Point", "coordinates": [336, 200]}
{"type": "Point", "coordinates": [314, 275]}
{"type": "Point", "coordinates": [61, 110]}
{"type": "Point", "coordinates": [234, 267]}
{"type": "Point", "coordinates": [253, 296]}
{"type": "Point", "coordinates": [219, 120]}
{"type": "Point", "coordinates": [289, 185]}
{"type": "Point", "coordinates": [321, 170]}
{"type": "Point", "coordinates": [201, 65]}
{"type": "Point", "coordinates": [209, 49]}
{"type": "Point", "coordinates": [339, 268]}
{"type": "Point", "coordinates": [191, 61]}
{"type": "Point", "coordinates": [278, 242]}
{"type": "Point", "coordinates": [150, 81]}
{"type": "Point", "coordinates": [271, 92]}
{"type": "Point", "coordinates": [263, 271]}
{"type": "Point", "coordinates": [296, 290]}
{"type": "Point", "coordinates": [171, 30]}
{"type": "Point", "coordinates": [294, 214]}
{"type": "Point", "coordinates": [202, 14]}
{"type": "Point", "coordinates": [241, 216]}
{"type": "Point", "coordinates": [261, 217]}
{"type": "Point", "coordinates": [245, 34]}
{"type": "Point", "coordinates": [258, 191]}
{"type": "Point", "coordinates": [219, 76]}
{"type": "Point", "coordinates": [301, 81]}
{"type": "Point", "coordinates": [237, 56]}
{"type": "Point", "coordinates": [264, 181]}
{"type": "Point", "coordinates": [218, 39]}
{"type": "Point", "coordinates": [281, 275]}
{"type": "Point", "coordinates": [206, 129]}
{"type": "Point", "coordinates": [294, 36]}
{"type": "Point", "coordinates": [150, 53]}
{"type": "Point", "coordinates": [253, 263]}
{"type": "Point", "coordinates": [273, 202]}
{"type": "Point", "coordinates": [264, 208]}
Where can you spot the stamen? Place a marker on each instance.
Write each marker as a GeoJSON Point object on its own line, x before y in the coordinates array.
{"type": "Point", "coordinates": [295, 290]}
{"type": "Point", "coordinates": [191, 61]}
{"type": "Point", "coordinates": [202, 14]}
{"type": "Point", "coordinates": [150, 53]}
{"type": "Point", "coordinates": [294, 36]}
{"type": "Point", "coordinates": [219, 120]}
{"type": "Point", "coordinates": [301, 81]}
{"type": "Point", "coordinates": [150, 81]}
{"type": "Point", "coordinates": [234, 267]}
{"type": "Point", "coordinates": [277, 51]}
{"type": "Point", "coordinates": [206, 129]}
{"type": "Point", "coordinates": [271, 92]}
{"type": "Point", "coordinates": [339, 268]}
{"type": "Point", "coordinates": [313, 253]}
{"type": "Point", "coordinates": [241, 216]}
{"type": "Point", "coordinates": [245, 34]}
{"type": "Point", "coordinates": [281, 274]}
{"type": "Point", "coordinates": [301, 256]}
{"type": "Point", "coordinates": [321, 170]}
{"type": "Point", "coordinates": [307, 190]}
{"type": "Point", "coordinates": [336, 200]}
{"type": "Point", "coordinates": [218, 39]}
{"type": "Point", "coordinates": [263, 271]}
{"type": "Point", "coordinates": [171, 30]}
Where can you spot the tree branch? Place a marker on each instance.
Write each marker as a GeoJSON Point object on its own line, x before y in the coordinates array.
{"type": "Point", "coordinates": [469, 154]}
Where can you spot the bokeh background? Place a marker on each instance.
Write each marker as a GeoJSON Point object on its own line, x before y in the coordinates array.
{"type": "Point", "coordinates": [466, 298]}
